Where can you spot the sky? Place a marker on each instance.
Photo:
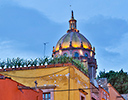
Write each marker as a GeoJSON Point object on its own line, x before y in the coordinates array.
{"type": "Point", "coordinates": [25, 25]}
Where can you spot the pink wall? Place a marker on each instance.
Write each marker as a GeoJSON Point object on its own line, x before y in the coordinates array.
{"type": "Point", "coordinates": [104, 95]}
{"type": "Point", "coordinates": [113, 93]}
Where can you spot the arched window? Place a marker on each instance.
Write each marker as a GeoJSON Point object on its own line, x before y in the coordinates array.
{"type": "Point", "coordinates": [86, 55]}
{"type": "Point", "coordinates": [76, 54]}
{"type": "Point", "coordinates": [65, 54]}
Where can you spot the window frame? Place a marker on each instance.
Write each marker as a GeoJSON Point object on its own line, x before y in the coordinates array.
{"type": "Point", "coordinates": [46, 98]}
{"type": "Point", "coordinates": [82, 95]}
{"type": "Point", "coordinates": [48, 91]}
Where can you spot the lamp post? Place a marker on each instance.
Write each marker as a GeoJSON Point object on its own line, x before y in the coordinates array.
{"type": "Point", "coordinates": [45, 47]}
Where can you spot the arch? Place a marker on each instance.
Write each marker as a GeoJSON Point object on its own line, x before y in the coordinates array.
{"type": "Point", "coordinates": [76, 54]}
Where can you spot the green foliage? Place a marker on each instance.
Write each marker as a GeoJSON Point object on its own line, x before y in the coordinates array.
{"type": "Point", "coordinates": [18, 62]}
{"type": "Point", "coordinates": [119, 80]}
{"type": "Point", "coordinates": [8, 63]}
{"type": "Point", "coordinates": [80, 65]}
{"type": "Point", "coordinates": [27, 63]}
{"type": "Point", "coordinates": [2, 64]}
{"type": "Point", "coordinates": [35, 62]}
{"type": "Point", "coordinates": [61, 60]}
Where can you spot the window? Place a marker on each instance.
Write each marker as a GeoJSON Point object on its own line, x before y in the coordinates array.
{"type": "Point", "coordinates": [46, 96]}
{"type": "Point", "coordinates": [76, 54]}
{"type": "Point", "coordinates": [83, 94]}
{"type": "Point", "coordinates": [82, 98]}
{"type": "Point", "coordinates": [93, 98]}
{"type": "Point", "coordinates": [86, 55]}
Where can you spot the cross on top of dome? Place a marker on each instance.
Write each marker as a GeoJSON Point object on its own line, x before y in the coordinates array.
{"type": "Point", "coordinates": [72, 15]}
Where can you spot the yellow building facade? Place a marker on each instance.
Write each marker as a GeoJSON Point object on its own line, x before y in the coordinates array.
{"type": "Point", "coordinates": [62, 83]}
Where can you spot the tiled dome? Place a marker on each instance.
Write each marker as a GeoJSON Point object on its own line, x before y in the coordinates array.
{"type": "Point", "coordinates": [73, 38]}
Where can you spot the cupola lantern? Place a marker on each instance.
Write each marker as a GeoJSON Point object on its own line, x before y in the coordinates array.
{"type": "Point", "coordinates": [72, 22]}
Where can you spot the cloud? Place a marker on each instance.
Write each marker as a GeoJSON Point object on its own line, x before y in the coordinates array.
{"type": "Point", "coordinates": [121, 49]}
{"type": "Point", "coordinates": [110, 37]}
{"type": "Point", "coordinates": [28, 29]}
{"type": "Point", "coordinates": [103, 30]}
{"type": "Point", "coordinates": [59, 10]}
{"type": "Point", "coordinates": [9, 49]}
{"type": "Point", "coordinates": [27, 24]}
{"type": "Point", "coordinates": [122, 46]}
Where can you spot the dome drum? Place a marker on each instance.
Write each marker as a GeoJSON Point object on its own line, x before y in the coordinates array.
{"type": "Point", "coordinates": [83, 53]}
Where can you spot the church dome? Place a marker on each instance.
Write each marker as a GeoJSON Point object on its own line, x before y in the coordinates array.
{"type": "Point", "coordinates": [73, 39]}
{"type": "Point", "coordinates": [74, 44]}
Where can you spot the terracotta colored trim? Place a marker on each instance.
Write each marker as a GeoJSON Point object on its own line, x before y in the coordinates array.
{"type": "Point", "coordinates": [24, 68]}
{"type": "Point", "coordinates": [8, 69]}
{"type": "Point", "coordinates": [58, 65]}
{"type": "Point", "coordinates": [67, 64]}
{"type": "Point", "coordinates": [50, 66]}
{"type": "Point", "coordinates": [104, 90]}
{"type": "Point", "coordinates": [82, 91]}
{"type": "Point", "coordinates": [1, 70]}
{"type": "Point", "coordinates": [38, 67]}
{"type": "Point", "coordinates": [41, 66]}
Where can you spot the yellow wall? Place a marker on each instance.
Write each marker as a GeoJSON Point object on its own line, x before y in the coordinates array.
{"type": "Point", "coordinates": [44, 76]}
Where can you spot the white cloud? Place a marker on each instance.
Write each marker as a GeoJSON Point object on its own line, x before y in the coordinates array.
{"type": "Point", "coordinates": [116, 57]}
{"type": "Point", "coordinates": [9, 49]}
{"type": "Point", "coordinates": [59, 10]}
{"type": "Point", "coordinates": [120, 46]}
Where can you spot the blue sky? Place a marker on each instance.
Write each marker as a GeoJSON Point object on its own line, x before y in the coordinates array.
{"type": "Point", "coordinates": [26, 24]}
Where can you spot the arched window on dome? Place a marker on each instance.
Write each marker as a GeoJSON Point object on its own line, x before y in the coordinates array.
{"type": "Point", "coordinates": [76, 54]}
{"type": "Point", "coordinates": [65, 54]}
{"type": "Point", "coordinates": [86, 55]}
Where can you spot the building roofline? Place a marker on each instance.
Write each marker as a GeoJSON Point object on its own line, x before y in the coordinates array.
{"type": "Point", "coordinates": [104, 90]}
{"type": "Point", "coordinates": [40, 67]}
{"type": "Point", "coordinates": [19, 84]}
{"type": "Point", "coordinates": [109, 85]}
{"type": "Point", "coordinates": [94, 85]}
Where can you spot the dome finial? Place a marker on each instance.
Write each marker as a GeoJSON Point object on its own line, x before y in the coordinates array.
{"type": "Point", "coordinates": [72, 14]}
{"type": "Point", "coordinates": [72, 22]}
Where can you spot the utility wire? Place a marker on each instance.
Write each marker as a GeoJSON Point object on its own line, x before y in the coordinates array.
{"type": "Point", "coordinates": [61, 90]}
{"type": "Point", "coordinates": [76, 89]}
